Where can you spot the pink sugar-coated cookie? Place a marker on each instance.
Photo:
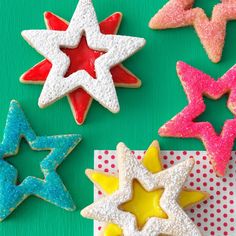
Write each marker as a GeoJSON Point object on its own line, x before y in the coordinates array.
{"type": "Point", "coordinates": [180, 13]}
{"type": "Point", "coordinates": [196, 84]}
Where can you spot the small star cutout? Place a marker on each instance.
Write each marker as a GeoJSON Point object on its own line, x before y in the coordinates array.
{"type": "Point", "coordinates": [52, 43]}
{"type": "Point", "coordinates": [81, 57]}
{"type": "Point", "coordinates": [196, 85]}
{"type": "Point", "coordinates": [143, 205]}
{"type": "Point", "coordinates": [50, 188]}
{"type": "Point", "coordinates": [108, 208]}
{"type": "Point", "coordinates": [180, 13]}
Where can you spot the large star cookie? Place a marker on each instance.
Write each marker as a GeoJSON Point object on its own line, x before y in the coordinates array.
{"type": "Point", "coordinates": [161, 211]}
{"type": "Point", "coordinates": [93, 75]}
{"type": "Point", "coordinates": [51, 187]}
{"type": "Point", "coordinates": [82, 57]}
{"type": "Point", "coordinates": [196, 84]}
{"type": "Point", "coordinates": [180, 13]}
{"type": "Point", "coordinates": [144, 204]}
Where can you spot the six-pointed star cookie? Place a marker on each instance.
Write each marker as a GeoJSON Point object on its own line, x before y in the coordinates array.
{"type": "Point", "coordinates": [50, 43]}
{"type": "Point", "coordinates": [81, 57]}
{"type": "Point", "coordinates": [180, 13]}
{"type": "Point", "coordinates": [144, 205]}
{"type": "Point", "coordinates": [171, 180]}
{"type": "Point", "coordinates": [51, 187]}
{"type": "Point", "coordinates": [196, 84]}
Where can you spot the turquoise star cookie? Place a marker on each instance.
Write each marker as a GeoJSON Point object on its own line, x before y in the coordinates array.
{"type": "Point", "coordinates": [50, 188]}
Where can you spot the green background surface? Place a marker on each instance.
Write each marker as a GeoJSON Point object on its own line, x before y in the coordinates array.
{"type": "Point", "coordinates": [143, 110]}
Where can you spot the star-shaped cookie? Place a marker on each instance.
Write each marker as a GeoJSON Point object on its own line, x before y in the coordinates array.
{"type": "Point", "coordinates": [82, 57]}
{"type": "Point", "coordinates": [196, 85]}
{"type": "Point", "coordinates": [181, 13]}
{"type": "Point", "coordinates": [51, 187]}
{"type": "Point", "coordinates": [112, 207]}
{"type": "Point", "coordinates": [144, 204]}
{"type": "Point", "coordinates": [50, 43]}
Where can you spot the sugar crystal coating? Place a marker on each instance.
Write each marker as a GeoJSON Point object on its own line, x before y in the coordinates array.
{"type": "Point", "coordinates": [51, 188]}
{"type": "Point", "coordinates": [180, 13]}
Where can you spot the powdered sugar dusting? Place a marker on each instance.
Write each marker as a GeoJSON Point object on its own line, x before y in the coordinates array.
{"type": "Point", "coordinates": [172, 180]}
{"type": "Point", "coordinates": [49, 42]}
{"type": "Point", "coordinates": [216, 216]}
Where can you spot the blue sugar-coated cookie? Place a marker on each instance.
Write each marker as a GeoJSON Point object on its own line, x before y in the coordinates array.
{"type": "Point", "coordinates": [51, 188]}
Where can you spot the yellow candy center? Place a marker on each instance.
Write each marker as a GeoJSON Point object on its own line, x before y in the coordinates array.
{"type": "Point", "coordinates": [144, 205]}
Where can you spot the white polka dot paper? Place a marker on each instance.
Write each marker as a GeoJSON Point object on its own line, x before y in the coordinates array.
{"type": "Point", "coordinates": [217, 215]}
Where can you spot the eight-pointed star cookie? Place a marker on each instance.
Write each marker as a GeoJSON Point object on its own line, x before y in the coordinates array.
{"type": "Point", "coordinates": [81, 57]}
{"type": "Point", "coordinates": [144, 205]}
{"type": "Point", "coordinates": [50, 43]}
{"type": "Point", "coordinates": [51, 188]}
{"type": "Point", "coordinates": [171, 180]}
{"type": "Point", "coordinates": [180, 13]}
{"type": "Point", "coordinates": [196, 85]}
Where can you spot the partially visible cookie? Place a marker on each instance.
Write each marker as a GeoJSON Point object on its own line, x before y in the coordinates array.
{"type": "Point", "coordinates": [51, 188]}
{"type": "Point", "coordinates": [139, 200]}
{"type": "Point", "coordinates": [180, 13]}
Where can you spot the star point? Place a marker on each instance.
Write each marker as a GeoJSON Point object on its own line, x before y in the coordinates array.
{"type": "Point", "coordinates": [51, 188]}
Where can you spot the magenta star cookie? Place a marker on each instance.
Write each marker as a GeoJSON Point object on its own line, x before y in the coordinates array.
{"type": "Point", "coordinates": [180, 13]}
{"type": "Point", "coordinates": [196, 84]}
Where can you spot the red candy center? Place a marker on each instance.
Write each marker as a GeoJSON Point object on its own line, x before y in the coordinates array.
{"type": "Point", "coordinates": [82, 58]}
